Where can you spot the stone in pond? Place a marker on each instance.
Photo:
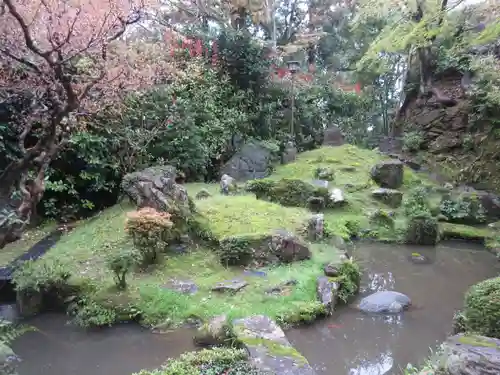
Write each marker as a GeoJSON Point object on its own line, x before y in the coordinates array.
{"type": "Point", "coordinates": [471, 355]}
{"type": "Point", "coordinates": [269, 349]}
{"type": "Point", "coordinates": [327, 291]}
{"type": "Point", "coordinates": [331, 270]}
{"type": "Point", "coordinates": [234, 286]}
{"type": "Point", "coordinates": [182, 286]}
{"type": "Point", "coordinates": [385, 302]}
{"type": "Point", "coordinates": [391, 197]}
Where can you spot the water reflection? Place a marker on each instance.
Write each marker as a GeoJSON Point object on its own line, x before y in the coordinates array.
{"type": "Point", "coordinates": [354, 343]}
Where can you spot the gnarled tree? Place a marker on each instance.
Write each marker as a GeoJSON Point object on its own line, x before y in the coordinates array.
{"type": "Point", "coordinates": [61, 56]}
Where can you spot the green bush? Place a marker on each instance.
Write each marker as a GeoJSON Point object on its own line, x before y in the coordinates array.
{"type": "Point", "coordinates": [215, 361]}
{"type": "Point", "coordinates": [324, 173]}
{"type": "Point", "coordinates": [382, 218]}
{"type": "Point", "coordinates": [482, 308]}
{"type": "Point", "coordinates": [413, 141]}
{"type": "Point", "coordinates": [262, 188]}
{"type": "Point", "coordinates": [416, 201]}
{"type": "Point", "coordinates": [350, 279]}
{"type": "Point", "coordinates": [241, 250]}
{"type": "Point", "coordinates": [465, 209]}
{"type": "Point", "coordinates": [87, 313]}
{"type": "Point", "coordinates": [122, 262]}
{"type": "Point", "coordinates": [40, 276]}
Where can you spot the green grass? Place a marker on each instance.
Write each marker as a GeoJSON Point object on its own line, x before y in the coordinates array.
{"type": "Point", "coordinates": [466, 232]}
{"type": "Point", "coordinates": [15, 249]}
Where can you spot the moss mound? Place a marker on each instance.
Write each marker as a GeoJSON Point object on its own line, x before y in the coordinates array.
{"type": "Point", "coordinates": [482, 308]}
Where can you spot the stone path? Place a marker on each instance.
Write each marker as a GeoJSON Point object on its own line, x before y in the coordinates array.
{"type": "Point", "coordinates": [269, 348]}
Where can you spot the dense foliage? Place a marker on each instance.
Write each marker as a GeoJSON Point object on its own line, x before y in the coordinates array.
{"type": "Point", "coordinates": [482, 307]}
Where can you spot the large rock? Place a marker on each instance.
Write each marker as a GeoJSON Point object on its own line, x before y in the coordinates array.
{"type": "Point", "coordinates": [252, 161]}
{"type": "Point", "coordinates": [472, 355]}
{"type": "Point", "coordinates": [268, 347]}
{"type": "Point", "coordinates": [388, 174]}
{"type": "Point", "coordinates": [333, 136]}
{"type": "Point", "coordinates": [288, 247]}
{"type": "Point", "coordinates": [391, 197]}
{"type": "Point", "coordinates": [156, 187]}
{"type": "Point", "coordinates": [328, 292]}
{"type": "Point", "coordinates": [214, 332]}
{"type": "Point", "coordinates": [385, 302]}
{"type": "Point", "coordinates": [422, 231]}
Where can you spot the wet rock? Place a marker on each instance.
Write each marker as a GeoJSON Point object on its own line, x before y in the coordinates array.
{"type": "Point", "coordinates": [282, 289]}
{"type": "Point", "coordinates": [336, 197]}
{"type": "Point", "coordinates": [252, 161]}
{"type": "Point", "coordinates": [388, 174]}
{"type": "Point", "coordinates": [156, 187]}
{"type": "Point", "coordinates": [182, 286]}
{"type": "Point", "coordinates": [213, 333]}
{"type": "Point", "coordinates": [202, 194]}
{"type": "Point", "coordinates": [385, 302]}
{"type": "Point", "coordinates": [268, 348]}
{"type": "Point", "coordinates": [333, 136]}
{"type": "Point", "coordinates": [232, 286]}
{"type": "Point", "coordinates": [418, 258]}
{"type": "Point", "coordinates": [325, 173]}
{"type": "Point", "coordinates": [331, 270]}
{"type": "Point", "coordinates": [315, 227]}
{"type": "Point", "coordinates": [227, 184]}
{"type": "Point", "coordinates": [288, 247]}
{"type": "Point", "coordinates": [327, 291]}
{"type": "Point", "coordinates": [471, 355]}
{"type": "Point", "coordinates": [391, 197]}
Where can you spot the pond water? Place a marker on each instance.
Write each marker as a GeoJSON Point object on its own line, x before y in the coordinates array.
{"type": "Point", "coordinates": [60, 349]}
{"type": "Point", "coordinates": [353, 343]}
{"type": "Point", "coordinates": [349, 343]}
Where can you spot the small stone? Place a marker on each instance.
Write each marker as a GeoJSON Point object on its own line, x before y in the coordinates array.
{"type": "Point", "coordinates": [283, 288]}
{"type": "Point", "coordinates": [348, 169]}
{"type": "Point", "coordinates": [316, 204]}
{"type": "Point", "coordinates": [325, 173]}
{"type": "Point", "coordinates": [182, 286]}
{"type": "Point", "coordinates": [233, 286]}
{"type": "Point", "coordinates": [331, 270]}
{"type": "Point", "coordinates": [336, 197]}
{"type": "Point", "coordinates": [255, 273]}
{"type": "Point", "coordinates": [320, 183]}
{"type": "Point", "coordinates": [202, 194]}
{"type": "Point", "coordinates": [391, 197]}
{"type": "Point", "coordinates": [418, 258]}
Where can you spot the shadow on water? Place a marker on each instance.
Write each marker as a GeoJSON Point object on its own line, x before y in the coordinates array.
{"type": "Point", "coordinates": [353, 343]}
{"type": "Point", "coordinates": [58, 348]}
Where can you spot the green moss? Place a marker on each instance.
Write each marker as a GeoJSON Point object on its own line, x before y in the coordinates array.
{"type": "Point", "coordinates": [477, 341]}
{"type": "Point", "coordinates": [274, 348]}
{"type": "Point", "coordinates": [238, 215]}
{"type": "Point", "coordinates": [466, 232]}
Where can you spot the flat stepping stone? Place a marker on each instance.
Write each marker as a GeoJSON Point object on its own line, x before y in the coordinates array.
{"type": "Point", "coordinates": [255, 273]}
{"type": "Point", "coordinates": [320, 183]}
{"type": "Point", "coordinates": [182, 286]}
{"type": "Point", "coordinates": [268, 347]}
{"type": "Point", "coordinates": [233, 286]}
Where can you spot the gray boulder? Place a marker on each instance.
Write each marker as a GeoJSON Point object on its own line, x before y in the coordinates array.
{"type": "Point", "coordinates": [252, 161]}
{"type": "Point", "coordinates": [328, 293]}
{"type": "Point", "coordinates": [333, 136]}
{"type": "Point", "coordinates": [268, 347]}
{"type": "Point", "coordinates": [214, 332]}
{"type": "Point", "coordinates": [391, 197]}
{"type": "Point", "coordinates": [156, 187]}
{"type": "Point", "coordinates": [471, 355]}
{"type": "Point", "coordinates": [385, 302]}
{"type": "Point", "coordinates": [288, 247]}
{"type": "Point", "coordinates": [227, 184]}
{"type": "Point", "coordinates": [388, 174]}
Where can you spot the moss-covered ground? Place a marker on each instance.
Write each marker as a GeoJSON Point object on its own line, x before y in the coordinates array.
{"type": "Point", "coordinates": [85, 249]}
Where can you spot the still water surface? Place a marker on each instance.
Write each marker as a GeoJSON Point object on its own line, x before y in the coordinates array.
{"type": "Point", "coordinates": [353, 343]}
{"type": "Point", "coordinates": [349, 343]}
